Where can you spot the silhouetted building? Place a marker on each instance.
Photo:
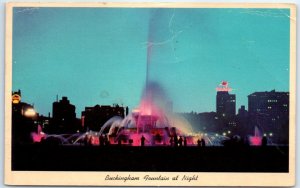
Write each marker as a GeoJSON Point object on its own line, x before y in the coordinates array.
{"type": "Point", "coordinates": [44, 122]}
{"type": "Point", "coordinates": [243, 113]}
{"type": "Point", "coordinates": [225, 108]}
{"type": "Point", "coordinates": [243, 122]}
{"type": "Point", "coordinates": [225, 102]}
{"type": "Point", "coordinates": [63, 117]}
{"type": "Point", "coordinates": [270, 112]}
{"type": "Point", "coordinates": [93, 118]}
{"type": "Point", "coordinates": [23, 120]}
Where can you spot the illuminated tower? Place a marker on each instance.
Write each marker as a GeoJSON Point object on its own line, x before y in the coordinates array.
{"type": "Point", "coordinates": [225, 102]}
{"type": "Point", "coordinates": [23, 118]}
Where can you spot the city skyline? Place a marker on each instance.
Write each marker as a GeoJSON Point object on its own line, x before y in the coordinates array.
{"type": "Point", "coordinates": [99, 56]}
{"type": "Point", "coordinates": [78, 113]}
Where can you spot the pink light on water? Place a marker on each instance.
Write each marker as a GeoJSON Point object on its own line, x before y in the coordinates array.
{"type": "Point", "coordinates": [95, 140]}
{"type": "Point", "coordinates": [146, 107]}
{"type": "Point", "coordinates": [255, 140]}
{"type": "Point", "coordinates": [37, 137]}
{"type": "Point", "coordinates": [146, 112]}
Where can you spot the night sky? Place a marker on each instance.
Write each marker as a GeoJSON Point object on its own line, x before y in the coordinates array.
{"type": "Point", "coordinates": [99, 55]}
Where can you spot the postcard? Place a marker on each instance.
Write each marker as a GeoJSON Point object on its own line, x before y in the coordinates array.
{"type": "Point", "coordinates": [150, 94]}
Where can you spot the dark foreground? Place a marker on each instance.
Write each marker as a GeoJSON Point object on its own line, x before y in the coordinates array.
{"type": "Point", "coordinates": [166, 159]}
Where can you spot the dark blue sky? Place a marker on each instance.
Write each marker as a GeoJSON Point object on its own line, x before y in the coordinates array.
{"type": "Point", "coordinates": [99, 55]}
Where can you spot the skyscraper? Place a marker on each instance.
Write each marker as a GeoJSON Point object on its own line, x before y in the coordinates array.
{"type": "Point", "coordinates": [272, 103]}
{"type": "Point", "coordinates": [64, 116]}
{"type": "Point", "coordinates": [270, 112]}
{"type": "Point", "coordinates": [225, 102]}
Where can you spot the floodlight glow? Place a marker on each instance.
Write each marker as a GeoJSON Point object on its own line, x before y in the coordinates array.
{"type": "Point", "coordinates": [30, 112]}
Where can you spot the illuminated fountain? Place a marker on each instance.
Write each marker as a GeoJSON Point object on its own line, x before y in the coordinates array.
{"type": "Point", "coordinates": [151, 123]}
{"type": "Point", "coordinates": [256, 139]}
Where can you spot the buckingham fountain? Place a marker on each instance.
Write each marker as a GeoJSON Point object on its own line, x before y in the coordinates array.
{"type": "Point", "coordinates": [151, 123]}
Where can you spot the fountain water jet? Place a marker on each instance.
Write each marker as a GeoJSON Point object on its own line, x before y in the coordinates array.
{"type": "Point", "coordinates": [256, 139]}
{"type": "Point", "coordinates": [150, 120]}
